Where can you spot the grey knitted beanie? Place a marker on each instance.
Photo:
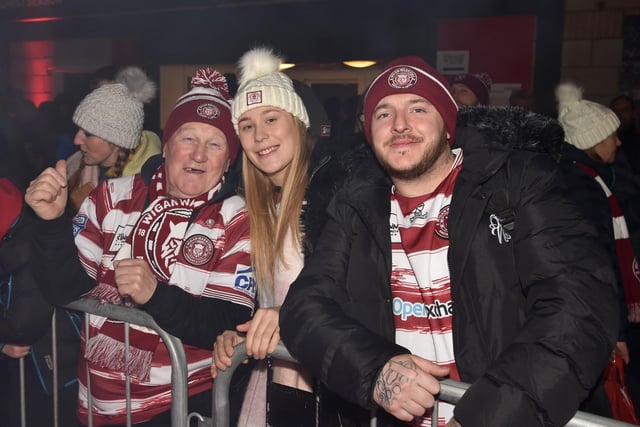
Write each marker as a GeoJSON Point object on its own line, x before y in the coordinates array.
{"type": "Point", "coordinates": [114, 112]}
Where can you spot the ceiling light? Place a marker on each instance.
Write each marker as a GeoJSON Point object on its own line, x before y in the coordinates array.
{"type": "Point", "coordinates": [286, 66]}
{"type": "Point", "coordinates": [359, 63]}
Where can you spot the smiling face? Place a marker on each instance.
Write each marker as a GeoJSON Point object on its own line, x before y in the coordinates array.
{"type": "Point", "coordinates": [409, 136]}
{"type": "Point", "coordinates": [95, 150]}
{"type": "Point", "coordinates": [269, 138]}
{"type": "Point", "coordinates": [196, 157]}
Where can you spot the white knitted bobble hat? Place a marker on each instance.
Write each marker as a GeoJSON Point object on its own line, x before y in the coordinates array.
{"type": "Point", "coordinates": [585, 123]}
{"type": "Point", "coordinates": [261, 84]}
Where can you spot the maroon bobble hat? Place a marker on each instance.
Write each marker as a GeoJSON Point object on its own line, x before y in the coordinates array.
{"type": "Point", "coordinates": [479, 85]}
{"type": "Point", "coordinates": [11, 202]}
{"type": "Point", "coordinates": [207, 102]}
{"type": "Point", "coordinates": [411, 74]}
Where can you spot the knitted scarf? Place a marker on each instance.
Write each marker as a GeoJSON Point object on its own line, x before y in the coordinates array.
{"type": "Point", "coordinates": [169, 219]}
{"type": "Point", "coordinates": [627, 262]}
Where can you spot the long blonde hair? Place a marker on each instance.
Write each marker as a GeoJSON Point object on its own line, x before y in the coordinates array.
{"type": "Point", "coordinates": [268, 226]}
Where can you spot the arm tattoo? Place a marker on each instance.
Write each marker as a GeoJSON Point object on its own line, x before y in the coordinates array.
{"type": "Point", "coordinates": [392, 381]}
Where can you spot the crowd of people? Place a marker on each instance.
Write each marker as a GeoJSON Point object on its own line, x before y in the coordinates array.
{"type": "Point", "coordinates": [434, 236]}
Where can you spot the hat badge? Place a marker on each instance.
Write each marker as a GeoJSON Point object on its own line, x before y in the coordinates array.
{"type": "Point", "coordinates": [402, 78]}
{"type": "Point", "coordinates": [208, 111]}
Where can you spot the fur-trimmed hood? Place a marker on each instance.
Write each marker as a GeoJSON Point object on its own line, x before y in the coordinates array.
{"type": "Point", "coordinates": [513, 128]}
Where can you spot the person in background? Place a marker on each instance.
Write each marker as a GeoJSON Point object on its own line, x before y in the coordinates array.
{"type": "Point", "coordinates": [469, 90]}
{"type": "Point", "coordinates": [588, 156]}
{"type": "Point", "coordinates": [287, 182]}
{"type": "Point", "coordinates": [454, 251]}
{"type": "Point", "coordinates": [110, 135]}
{"type": "Point", "coordinates": [522, 98]}
{"type": "Point", "coordinates": [172, 241]}
{"type": "Point", "coordinates": [25, 323]}
{"type": "Point", "coordinates": [629, 131]}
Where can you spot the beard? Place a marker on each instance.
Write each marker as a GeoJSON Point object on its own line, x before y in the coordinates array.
{"type": "Point", "coordinates": [431, 155]}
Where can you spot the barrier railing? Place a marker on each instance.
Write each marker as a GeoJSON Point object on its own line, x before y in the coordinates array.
{"type": "Point", "coordinates": [179, 395]}
{"type": "Point", "coordinates": [450, 392]}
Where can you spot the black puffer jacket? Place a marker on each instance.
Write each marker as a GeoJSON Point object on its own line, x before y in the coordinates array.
{"type": "Point", "coordinates": [535, 317]}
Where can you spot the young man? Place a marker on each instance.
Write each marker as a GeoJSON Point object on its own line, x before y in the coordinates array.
{"type": "Point", "coordinates": [469, 262]}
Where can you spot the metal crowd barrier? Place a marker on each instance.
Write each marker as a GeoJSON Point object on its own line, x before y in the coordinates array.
{"type": "Point", "coordinates": [450, 392]}
{"type": "Point", "coordinates": [179, 395]}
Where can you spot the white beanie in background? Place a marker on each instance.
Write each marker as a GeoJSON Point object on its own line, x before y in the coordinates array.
{"type": "Point", "coordinates": [585, 123]}
{"type": "Point", "coordinates": [261, 84]}
{"type": "Point", "coordinates": [114, 111]}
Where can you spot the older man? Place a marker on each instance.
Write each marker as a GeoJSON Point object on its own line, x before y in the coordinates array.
{"type": "Point", "coordinates": [172, 240]}
{"type": "Point", "coordinates": [466, 261]}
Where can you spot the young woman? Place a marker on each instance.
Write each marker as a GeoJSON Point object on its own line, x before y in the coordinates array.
{"type": "Point", "coordinates": [286, 187]}
{"type": "Point", "coordinates": [110, 137]}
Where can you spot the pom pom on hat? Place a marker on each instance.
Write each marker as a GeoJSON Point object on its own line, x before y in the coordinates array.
{"type": "Point", "coordinates": [139, 85]}
{"type": "Point", "coordinates": [208, 101]}
{"type": "Point", "coordinates": [411, 74]}
{"type": "Point", "coordinates": [261, 84]}
{"type": "Point", "coordinates": [11, 202]}
{"type": "Point", "coordinates": [115, 111]}
{"type": "Point", "coordinates": [585, 123]}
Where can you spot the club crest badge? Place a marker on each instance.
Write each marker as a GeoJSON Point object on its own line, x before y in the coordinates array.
{"type": "Point", "coordinates": [402, 78]}
{"type": "Point", "coordinates": [198, 250]}
{"type": "Point", "coordinates": [159, 234]}
{"type": "Point", "coordinates": [442, 223]}
{"type": "Point", "coordinates": [254, 97]}
{"type": "Point", "coordinates": [208, 111]}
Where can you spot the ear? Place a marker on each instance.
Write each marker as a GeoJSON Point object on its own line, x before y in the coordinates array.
{"type": "Point", "coordinates": [448, 136]}
{"type": "Point", "coordinates": [164, 151]}
{"type": "Point", "coordinates": [228, 165]}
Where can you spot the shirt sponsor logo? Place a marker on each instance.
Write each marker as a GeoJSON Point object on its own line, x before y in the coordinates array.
{"type": "Point", "coordinates": [79, 223]}
{"type": "Point", "coordinates": [436, 310]}
{"type": "Point", "coordinates": [120, 237]}
{"type": "Point", "coordinates": [245, 281]}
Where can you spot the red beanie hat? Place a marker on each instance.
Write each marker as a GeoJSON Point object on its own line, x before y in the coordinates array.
{"type": "Point", "coordinates": [480, 84]}
{"type": "Point", "coordinates": [411, 74]}
{"type": "Point", "coordinates": [10, 205]}
{"type": "Point", "coordinates": [207, 102]}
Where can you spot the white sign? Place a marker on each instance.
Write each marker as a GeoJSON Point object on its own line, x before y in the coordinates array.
{"type": "Point", "coordinates": [453, 61]}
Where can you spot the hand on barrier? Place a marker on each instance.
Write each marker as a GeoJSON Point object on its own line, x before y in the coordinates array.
{"type": "Point", "coordinates": [135, 279]}
{"type": "Point", "coordinates": [47, 194]}
{"type": "Point", "coordinates": [16, 351]}
{"type": "Point", "coordinates": [223, 351]}
{"type": "Point", "coordinates": [263, 332]}
{"type": "Point", "coordinates": [407, 385]}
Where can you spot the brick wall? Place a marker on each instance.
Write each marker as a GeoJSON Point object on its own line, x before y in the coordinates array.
{"type": "Point", "coordinates": [592, 45]}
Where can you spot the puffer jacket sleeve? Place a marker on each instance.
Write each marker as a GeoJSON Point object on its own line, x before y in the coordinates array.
{"type": "Point", "coordinates": [571, 313]}
{"type": "Point", "coordinates": [55, 262]}
{"type": "Point", "coordinates": [319, 321]}
{"type": "Point", "coordinates": [28, 316]}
